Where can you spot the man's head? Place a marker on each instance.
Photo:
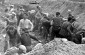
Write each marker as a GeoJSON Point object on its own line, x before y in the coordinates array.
{"type": "Point", "coordinates": [21, 11]}
{"type": "Point", "coordinates": [21, 7]}
{"type": "Point", "coordinates": [71, 19]}
{"type": "Point", "coordinates": [39, 7]}
{"type": "Point", "coordinates": [11, 29]}
{"type": "Point", "coordinates": [11, 6]}
{"type": "Point", "coordinates": [25, 15]}
{"type": "Point", "coordinates": [44, 15]}
{"type": "Point", "coordinates": [57, 14]}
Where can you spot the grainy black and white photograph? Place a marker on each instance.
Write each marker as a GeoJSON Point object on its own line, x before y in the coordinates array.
{"type": "Point", "coordinates": [42, 27]}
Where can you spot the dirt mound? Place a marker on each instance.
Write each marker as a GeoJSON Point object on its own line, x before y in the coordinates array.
{"type": "Point", "coordinates": [58, 47]}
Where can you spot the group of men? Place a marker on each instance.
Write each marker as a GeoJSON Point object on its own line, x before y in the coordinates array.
{"type": "Point", "coordinates": [60, 27]}
{"type": "Point", "coordinates": [48, 27]}
{"type": "Point", "coordinates": [18, 28]}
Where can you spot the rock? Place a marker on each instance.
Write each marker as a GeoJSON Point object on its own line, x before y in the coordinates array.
{"type": "Point", "coordinates": [83, 40]}
{"type": "Point", "coordinates": [12, 50]}
{"type": "Point", "coordinates": [64, 40]}
{"type": "Point", "coordinates": [37, 50]}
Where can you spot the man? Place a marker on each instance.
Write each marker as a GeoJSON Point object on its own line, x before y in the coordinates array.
{"type": "Point", "coordinates": [19, 16]}
{"type": "Point", "coordinates": [66, 28]}
{"type": "Point", "coordinates": [25, 24]}
{"type": "Point", "coordinates": [13, 17]}
{"type": "Point", "coordinates": [11, 8]}
{"type": "Point", "coordinates": [38, 16]}
{"type": "Point", "coordinates": [56, 25]}
{"type": "Point", "coordinates": [12, 20]}
{"type": "Point", "coordinates": [45, 26]}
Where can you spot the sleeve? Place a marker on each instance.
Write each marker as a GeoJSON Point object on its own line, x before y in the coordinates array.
{"type": "Point", "coordinates": [18, 28]}
{"type": "Point", "coordinates": [51, 22]}
{"type": "Point", "coordinates": [15, 18]}
{"type": "Point", "coordinates": [20, 23]}
{"type": "Point", "coordinates": [69, 30]}
{"type": "Point", "coordinates": [31, 25]}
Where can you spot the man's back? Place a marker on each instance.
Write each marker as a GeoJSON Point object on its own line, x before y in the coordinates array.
{"type": "Point", "coordinates": [25, 39]}
{"type": "Point", "coordinates": [64, 30]}
{"type": "Point", "coordinates": [65, 24]}
{"type": "Point", "coordinates": [57, 21]}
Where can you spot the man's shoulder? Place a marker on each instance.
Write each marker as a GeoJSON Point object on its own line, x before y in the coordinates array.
{"type": "Point", "coordinates": [22, 20]}
{"type": "Point", "coordinates": [27, 20]}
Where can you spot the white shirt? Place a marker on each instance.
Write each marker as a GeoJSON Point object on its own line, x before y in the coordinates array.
{"type": "Point", "coordinates": [26, 24]}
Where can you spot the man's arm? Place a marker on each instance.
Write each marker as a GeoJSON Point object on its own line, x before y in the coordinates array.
{"type": "Point", "coordinates": [69, 30]}
{"type": "Point", "coordinates": [33, 37]}
{"type": "Point", "coordinates": [18, 28]}
{"type": "Point", "coordinates": [51, 22]}
{"type": "Point", "coordinates": [31, 25]}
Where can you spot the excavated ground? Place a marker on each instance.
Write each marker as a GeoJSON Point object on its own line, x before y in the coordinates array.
{"type": "Point", "coordinates": [57, 46]}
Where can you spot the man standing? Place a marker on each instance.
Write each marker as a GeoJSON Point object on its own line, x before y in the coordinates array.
{"type": "Point", "coordinates": [19, 15]}
{"type": "Point", "coordinates": [25, 24]}
{"type": "Point", "coordinates": [56, 25]}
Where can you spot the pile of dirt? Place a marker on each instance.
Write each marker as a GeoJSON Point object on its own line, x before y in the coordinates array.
{"type": "Point", "coordinates": [58, 47]}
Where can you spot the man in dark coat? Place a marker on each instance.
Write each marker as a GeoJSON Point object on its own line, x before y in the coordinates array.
{"type": "Point", "coordinates": [56, 25]}
{"type": "Point", "coordinates": [14, 37]}
{"type": "Point", "coordinates": [67, 29]}
{"type": "Point", "coordinates": [19, 16]}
